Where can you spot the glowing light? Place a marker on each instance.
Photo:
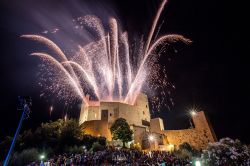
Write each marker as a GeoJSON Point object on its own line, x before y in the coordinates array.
{"type": "Point", "coordinates": [65, 117]}
{"type": "Point", "coordinates": [42, 157]}
{"type": "Point", "coordinates": [170, 147]}
{"type": "Point", "coordinates": [50, 110]}
{"type": "Point", "coordinates": [105, 68]}
{"type": "Point", "coordinates": [151, 137]}
{"type": "Point", "coordinates": [197, 163]}
{"type": "Point", "coordinates": [193, 113]}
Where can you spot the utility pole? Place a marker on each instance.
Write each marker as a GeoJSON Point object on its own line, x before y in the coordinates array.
{"type": "Point", "coordinates": [24, 104]}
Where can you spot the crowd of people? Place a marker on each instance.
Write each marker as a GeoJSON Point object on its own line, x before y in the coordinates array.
{"type": "Point", "coordinates": [115, 157]}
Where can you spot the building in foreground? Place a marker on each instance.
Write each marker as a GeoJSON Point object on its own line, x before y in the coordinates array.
{"type": "Point", "coordinates": [97, 118]}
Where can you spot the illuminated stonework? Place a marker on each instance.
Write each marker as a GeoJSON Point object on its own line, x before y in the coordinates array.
{"type": "Point", "coordinates": [137, 114]}
{"type": "Point", "coordinates": [97, 118]}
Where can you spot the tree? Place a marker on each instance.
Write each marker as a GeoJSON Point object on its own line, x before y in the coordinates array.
{"type": "Point", "coordinates": [48, 134]}
{"type": "Point", "coordinates": [226, 152]}
{"type": "Point", "coordinates": [186, 151]}
{"type": "Point", "coordinates": [121, 130]}
{"type": "Point", "coordinates": [71, 133]}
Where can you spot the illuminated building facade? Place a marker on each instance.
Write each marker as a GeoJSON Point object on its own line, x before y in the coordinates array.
{"type": "Point", "coordinates": [97, 118]}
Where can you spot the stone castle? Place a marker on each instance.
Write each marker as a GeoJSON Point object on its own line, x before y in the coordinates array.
{"type": "Point", "coordinates": [97, 118]}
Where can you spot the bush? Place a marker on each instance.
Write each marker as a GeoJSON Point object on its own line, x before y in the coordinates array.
{"type": "Point", "coordinates": [189, 149]}
{"type": "Point", "coordinates": [183, 154]}
{"type": "Point", "coordinates": [226, 152]}
{"type": "Point", "coordinates": [89, 140]}
{"type": "Point", "coordinates": [25, 157]}
{"type": "Point", "coordinates": [102, 141]}
{"type": "Point", "coordinates": [186, 151]}
{"type": "Point", "coordinates": [97, 147]}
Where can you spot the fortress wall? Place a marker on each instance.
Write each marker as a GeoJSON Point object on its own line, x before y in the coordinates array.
{"type": "Point", "coordinates": [156, 125]}
{"type": "Point", "coordinates": [177, 137]}
{"type": "Point", "coordinates": [94, 113]}
{"type": "Point", "coordinates": [97, 128]}
{"type": "Point", "coordinates": [198, 137]}
{"type": "Point", "coordinates": [121, 110]}
{"type": "Point", "coordinates": [202, 123]}
{"type": "Point", "coordinates": [138, 132]}
{"type": "Point", "coordinates": [89, 113]}
{"type": "Point", "coordinates": [142, 107]}
{"type": "Point", "coordinates": [83, 114]}
{"type": "Point", "coordinates": [112, 107]}
{"type": "Point", "coordinates": [134, 114]}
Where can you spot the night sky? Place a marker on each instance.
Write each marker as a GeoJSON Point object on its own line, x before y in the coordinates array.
{"type": "Point", "coordinates": [211, 73]}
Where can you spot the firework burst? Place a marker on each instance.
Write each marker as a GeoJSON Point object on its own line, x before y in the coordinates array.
{"type": "Point", "coordinates": [104, 68]}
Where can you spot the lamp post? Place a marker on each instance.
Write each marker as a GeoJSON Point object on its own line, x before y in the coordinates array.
{"type": "Point", "coordinates": [24, 104]}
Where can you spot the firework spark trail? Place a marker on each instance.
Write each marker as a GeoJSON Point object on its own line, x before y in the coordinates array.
{"type": "Point", "coordinates": [48, 43]}
{"type": "Point", "coordinates": [85, 59]}
{"type": "Point", "coordinates": [154, 25]}
{"type": "Point", "coordinates": [146, 50]}
{"type": "Point", "coordinates": [60, 66]}
{"type": "Point", "coordinates": [110, 77]}
{"type": "Point", "coordinates": [90, 79]}
{"type": "Point", "coordinates": [109, 52]}
{"type": "Point", "coordinates": [89, 72]}
{"type": "Point", "coordinates": [55, 48]}
{"type": "Point", "coordinates": [105, 68]}
{"type": "Point", "coordinates": [96, 24]}
{"type": "Point", "coordinates": [126, 45]}
{"type": "Point", "coordinates": [114, 53]}
{"type": "Point", "coordinates": [166, 39]}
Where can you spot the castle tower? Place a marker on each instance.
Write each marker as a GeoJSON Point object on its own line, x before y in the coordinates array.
{"type": "Point", "coordinates": [202, 124]}
{"type": "Point", "coordinates": [137, 114]}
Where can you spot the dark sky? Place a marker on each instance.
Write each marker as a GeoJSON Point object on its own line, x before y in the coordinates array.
{"type": "Point", "coordinates": [211, 74]}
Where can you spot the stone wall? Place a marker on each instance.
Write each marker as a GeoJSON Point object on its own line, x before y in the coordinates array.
{"type": "Point", "coordinates": [198, 137]}
{"type": "Point", "coordinates": [97, 128]}
{"type": "Point", "coordinates": [134, 114]}
{"type": "Point", "coordinates": [156, 125]}
{"type": "Point", "coordinates": [137, 116]}
{"type": "Point", "coordinates": [138, 132]}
